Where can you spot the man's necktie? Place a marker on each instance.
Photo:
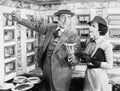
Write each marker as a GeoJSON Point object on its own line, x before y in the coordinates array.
{"type": "Point", "coordinates": [92, 40]}
{"type": "Point", "coordinates": [56, 33]}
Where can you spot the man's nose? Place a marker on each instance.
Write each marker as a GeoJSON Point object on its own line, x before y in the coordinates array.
{"type": "Point", "coordinates": [65, 19]}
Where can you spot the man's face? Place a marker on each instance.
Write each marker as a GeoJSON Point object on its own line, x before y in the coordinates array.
{"type": "Point", "coordinates": [64, 20]}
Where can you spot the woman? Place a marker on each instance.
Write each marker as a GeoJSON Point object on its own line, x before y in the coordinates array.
{"type": "Point", "coordinates": [100, 59]}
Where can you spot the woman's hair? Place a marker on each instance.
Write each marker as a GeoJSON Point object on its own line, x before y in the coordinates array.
{"type": "Point", "coordinates": [102, 29]}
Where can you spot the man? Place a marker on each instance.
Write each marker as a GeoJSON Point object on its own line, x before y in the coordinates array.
{"type": "Point", "coordinates": [54, 61]}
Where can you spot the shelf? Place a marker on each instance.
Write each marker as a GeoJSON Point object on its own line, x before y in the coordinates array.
{"type": "Point", "coordinates": [30, 68]}
{"type": "Point", "coordinates": [82, 40]}
{"type": "Point", "coordinates": [82, 26]}
{"type": "Point", "coordinates": [114, 26]}
{"type": "Point", "coordinates": [30, 40]}
{"type": "Point", "coordinates": [114, 70]}
{"type": "Point", "coordinates": [9, 27]}
{"type": "Point", "coordinates": [116, 55]}
{"type": "Point", "coordinates": [31, 53]}
{"type": "Point", "coordinates": [10, 43]}
{"type": "Point", "coordinates": [80, 67]}
{"type": "Point", "coordinates": [114, 40]}
{"type": "Point", "coordinates": [10, 76]}
{"type": "Point", "coordinates": [10, 59]}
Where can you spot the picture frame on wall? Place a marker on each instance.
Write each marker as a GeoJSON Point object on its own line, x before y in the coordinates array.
{"type": "Point", "coordinates": [9, 35]}
{"type": "Point", "coordinates": [8, 20]}
{"type": "Point", "coordinates": [29, 33]}
{"type": "Point", "coordinates": [116, 61]}
{"type": "Point", "coordinates": [30, 60]}
{"type": "Point", "coordinates": [113, 19]}
{"type": "Point", "coordinates": [82, 18]}
{"type": "Point", "coordinates": [52, 19]}
{"type": "Point", "coordinates": [10, 67]}
{"type": "Point", "coordinates": [116, 48]}
{"type": "Point", "coordinates": [30, 46]}
{"type": "Point", "coordinates": [83, 32]}
{"type": "Point", "coordinates": [114, 32]}
{"type": "Point", "coordinates": [9, 51]}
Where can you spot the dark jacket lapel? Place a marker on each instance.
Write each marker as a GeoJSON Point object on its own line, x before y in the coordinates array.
{"type": "Point", "coordinates": [49, 37]}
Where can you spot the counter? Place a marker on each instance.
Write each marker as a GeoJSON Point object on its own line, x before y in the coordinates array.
{"type": "Point", "coordinates": [78, 78]}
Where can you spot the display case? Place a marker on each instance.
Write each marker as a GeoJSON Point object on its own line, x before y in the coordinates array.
{"type": "Point", "coordinates": [8, 44]}
{"type": "Point", "coordinates": [52, 19]}
{"type": "Point", "coordinates": [49, 16]}
{"type": "Point", "coordinates": [113, 19]}
{"type": "Point", "coordinates": [17, 44]}
{"type": "Point", "coordinates": [30, 60]}
{"type": "Point", "coordinates": [10, 67]}
{"type": "Point", "coordinates": [114, 32]}
{"type": "Point", "coordinates": [9, 51]}
{"type": "Point", "coordinates": [82, 18]}
{"type": "Point", "coordinates": [28, 38]}
{"type": "Point", "coordinates": [82, 28]}
{"type": "Point", "coordinates": [30, 47]}
{"type": "Point", "coordinates": [9, 35]}
{"type": "Point", "coordinates": [7, 19]}
{"type": "Point", "coordinates": [84, 35]}
{"type": "Point", "coordinates": [116, 48]}
{"type": "Point", "coordinates": [29, 33]}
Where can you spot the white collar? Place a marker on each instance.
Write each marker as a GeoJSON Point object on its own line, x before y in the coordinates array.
{"type": "Point", "coordinates": [61, 29]}
{"type": "Point", "coordinates": [99, 39]}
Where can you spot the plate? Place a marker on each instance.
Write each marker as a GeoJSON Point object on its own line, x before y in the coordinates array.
{"type": "Point", "coordinates": [22, 87]}
{"type": "Point", "coordinates": [20, 79]}
{"type": "Point", "coordinates": [69, 44]}
{"type": "Point", "coordinates": [6, 86]}
{"type": "Point", "coordinates": [34, 80]}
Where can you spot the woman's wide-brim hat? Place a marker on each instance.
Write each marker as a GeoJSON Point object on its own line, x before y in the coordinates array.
{"type": "Point", "coordinates": [99, 20]}
{"type": "Point", "coordinates": [64, 12]}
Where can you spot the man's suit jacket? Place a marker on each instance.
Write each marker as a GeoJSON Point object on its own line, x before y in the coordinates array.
{"type": "Point", "coordinates": [61, 68]}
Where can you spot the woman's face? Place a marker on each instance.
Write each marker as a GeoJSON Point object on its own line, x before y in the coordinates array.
{"type": "Point", "coordinates": [64, 20]}
{"type": "Point", "coordinates": [94, 33]}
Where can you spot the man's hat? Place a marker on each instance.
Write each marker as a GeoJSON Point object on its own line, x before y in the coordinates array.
{"type": "Point", "coordinates": [99, 20]}
{"type": "Point", "coordinates": [64, 12]}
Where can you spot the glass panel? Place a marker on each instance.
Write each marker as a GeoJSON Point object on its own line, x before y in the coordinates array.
{"type": "Point", "coordinates": [9, 51]}
{"type": "Point", "coordinates": [9, 35]}
{"type": "Point", "coordinates": [10, 67]}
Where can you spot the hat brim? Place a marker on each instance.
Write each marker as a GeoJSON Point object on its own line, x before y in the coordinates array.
{"type": "Point", "coordinates": [99, 20]}
{"type": "Point", "coordinates": [89, 23]}
{"type": "Point", "coordinates": [59, 13]}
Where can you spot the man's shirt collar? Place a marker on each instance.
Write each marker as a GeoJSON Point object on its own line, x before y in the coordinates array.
{"type": "Point", "coordinates": [61, 29]}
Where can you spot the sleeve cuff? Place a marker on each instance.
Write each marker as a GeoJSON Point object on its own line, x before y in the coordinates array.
{"type": "Point", "coordinates": [96, 63]}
